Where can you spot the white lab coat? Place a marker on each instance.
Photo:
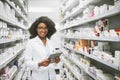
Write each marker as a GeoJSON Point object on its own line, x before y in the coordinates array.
{"type": "Point", "coordinates": [36, 52]}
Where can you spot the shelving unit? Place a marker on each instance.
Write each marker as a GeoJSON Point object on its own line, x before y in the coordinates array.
{"type": "Point", "coordinates": [109, 39]}
{"type": "Point", "coordinates": [70, 68]}
{"type": "Point", "coordinates": [75, 73]}
{"type": "Point", "coordinates": [78, 10]}
{"type": "Point", "coordinates": [81, 66]}
{"type": "Point", "coordinates": [13, 74]}
{"type": "Point", "coordinates": [75, 61]}
{"type": "Point", "coordinates": [70, 5]}
{"type": "Point", "coordinates": [12, 22]}
{"type": "Point", "coordinates": [21, 5]}
{"type": "Point", "coordinates": [95, 58]}
{"type": "Point", "coordinates": [20, 73]}
{"type": "Point", "coordinates": [18, 13]}
{"type": "Point", "coordinates": [69, 36]}
{"type": "Point", "coordinates": [84, 21]}
{"type": "Point", "coordinates": [8, 60]}
{"type": "Point", "coordinates": [8, 41]}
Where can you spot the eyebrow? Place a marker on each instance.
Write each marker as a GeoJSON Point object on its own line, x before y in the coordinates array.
{"type": "Point", "coordinates": [41, 27]}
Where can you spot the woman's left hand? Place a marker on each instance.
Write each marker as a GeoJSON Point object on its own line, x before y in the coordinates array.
{"type": "Point", "coordinates": [57, 60]}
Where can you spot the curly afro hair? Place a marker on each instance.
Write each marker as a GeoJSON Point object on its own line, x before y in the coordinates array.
{"type": "Point", "coordinates": [44, 19]}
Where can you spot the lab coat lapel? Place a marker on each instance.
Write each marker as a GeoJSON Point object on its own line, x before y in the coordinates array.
{"type": "Point", "coordinates": [40, 48]}
{"type": "Point", "coordinates": [39, 41]}
{"type": "Point", "coordinates": [41, 45]}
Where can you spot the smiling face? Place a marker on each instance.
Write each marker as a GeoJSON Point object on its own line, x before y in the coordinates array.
{"type": "Point", "coordinates": [42, 30]}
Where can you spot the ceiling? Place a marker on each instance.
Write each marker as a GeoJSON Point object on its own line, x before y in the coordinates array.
{"type": "Point", "coordinates": [39, 8]}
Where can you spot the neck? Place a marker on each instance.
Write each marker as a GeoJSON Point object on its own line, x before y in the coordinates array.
{"type": "Point", "coordinates": [43, 40]}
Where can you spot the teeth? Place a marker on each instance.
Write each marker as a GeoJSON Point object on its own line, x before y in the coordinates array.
{"type": "Point", "coordinates": [43, 33]}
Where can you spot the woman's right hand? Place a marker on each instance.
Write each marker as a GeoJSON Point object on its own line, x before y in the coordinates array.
{"type": "Point", "coordinates": [45, 63]}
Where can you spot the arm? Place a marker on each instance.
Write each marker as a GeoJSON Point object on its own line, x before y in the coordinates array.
{"type": "Point", "coordinates": [44, 62]}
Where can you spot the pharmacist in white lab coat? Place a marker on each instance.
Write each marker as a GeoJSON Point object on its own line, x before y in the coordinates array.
{"type": "Point", "coordinates": [39, 47]}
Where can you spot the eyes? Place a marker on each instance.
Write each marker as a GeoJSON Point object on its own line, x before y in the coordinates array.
{"type": "Point", "coordinates": [41, 28]}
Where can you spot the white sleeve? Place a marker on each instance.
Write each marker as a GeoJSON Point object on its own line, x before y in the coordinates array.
{"type": "Point", "coordinates": [28, 57]}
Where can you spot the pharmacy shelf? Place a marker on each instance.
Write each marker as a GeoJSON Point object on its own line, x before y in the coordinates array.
{"type": "Point", "coordinates": [85, 69]}
{"type": "Point", "coordinates": [102, 38]}
{"type": "Point", "coordinates": [27, 74]}
{"type": "Point", "coordinates": [81, 66]}
{"type": "Point", "coordinates": [80, 9]}
{"type": "Point", "coordinates": [95, 58]}
{"type": "Point", "coordinates": [91, 75]}
{"type": "Point", "coordinates": [8, 41]}
{"type": "Point", "coordinates": [18, 2]}
{"type": "Point", "coordinates": [63, 2]}
{"type": "Point", "coordinates": [12, 22]}
{"type": "Point", "coordinates": [18, 13]}
{"type": "Point", "coordinates": [8, 60]}
{"type": "Point", "coordinates": [70, 68]}
{"type": "Point", "coordinates": [20, 74]}
{"type": "Point", "coordinates": [13, 74]}
{"type": "Point", "coordinates": [76, 63]}
{"type": "Point", "coordinates": [108, 14]}
{"type": "Point", "coordinates": [104, 62]}
{"type": "Point", "coordinates": [84, 21]}
{"type": "Point", "coordinates": [70, 6]}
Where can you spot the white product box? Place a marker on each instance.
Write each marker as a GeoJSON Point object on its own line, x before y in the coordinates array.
{"type": "Point", "coordinates": [1, 8]}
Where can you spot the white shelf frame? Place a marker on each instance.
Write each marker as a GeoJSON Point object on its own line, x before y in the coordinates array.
{"type": "Point", "coordinates": [88, 20]}
{"type": "Point", "coordinates": [19, 77]}
{"type": "Point", "coordinates": [74, 73]}
{"type": "Point", "coordinates": [102, 38]}
{"type": "Point", "coordinates": [18, 13]}
{"type": "Point", "coordinates": [12, 22]}
{"type": "Point", "coordinates": [13, 74]}
{"type": "Point", "coordinates": [20, 5]}
{"type": "Point", "coordinates": [64, 1]}
{"type": "Point", "coordinates": [7, 41]}
{"type": "Point", "coordinates": [70, 6]}
{"type": "Point", "coordinates": [80, 66]}
{"type": "Point", "coordinates": [79, 10]}
{"type": "Point", "coordinates": [95, 58]}
{"type": "Point", "coordinates": [8, 60]}
{"type": "Point", "coordinates": [104, 15]}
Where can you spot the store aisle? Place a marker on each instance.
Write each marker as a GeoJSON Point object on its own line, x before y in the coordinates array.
{"type": "Point", "coordinates": [87, 34]}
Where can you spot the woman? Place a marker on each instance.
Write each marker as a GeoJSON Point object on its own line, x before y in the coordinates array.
{"type": "Point", "coordinates": [39, 47]}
